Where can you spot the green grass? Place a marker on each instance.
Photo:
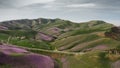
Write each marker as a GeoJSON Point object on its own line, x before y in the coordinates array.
{"type": "Point", "coordinates": [31, 44]}
{"type": "Point", "coordinates": [3, 36]}
{"type": "Point", "coordinates": [88, 60]}
{"type": "Point", "coordinates": [83, 39]}
{"type": "Point", "coordinates": [103, 41]}
{"type": "Point", "coordinates": [16, 55]}
{"type": "Point", "coordinates": [5, 66]}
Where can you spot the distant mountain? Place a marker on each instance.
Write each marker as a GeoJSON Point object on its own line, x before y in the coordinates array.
{"type": "Point", "coordinates": [26, 23]}
{"type": "Point", "coordinates": [44, 23]}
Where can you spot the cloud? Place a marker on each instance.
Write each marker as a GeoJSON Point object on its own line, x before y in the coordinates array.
{"type": "Point", "coordinates": [40, 1]}
{"type": "Point", "coordinates": [100, 3]}
{"type": "Point", "coordinates": [86, 5]}
{"type": "Point", "coordinates": [76, 10]}
{"type": "Point", "coordinates": [29, 2]}
{"type": "Point", "coordinates": [21, 3]}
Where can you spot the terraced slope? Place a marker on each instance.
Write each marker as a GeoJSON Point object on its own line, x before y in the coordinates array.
{"type": "Point", "coordinates": [84, 42]}
{"type": "Point", "coordinates": [72, 45]}
{"type": "Point", "coordinates": [52, 34]}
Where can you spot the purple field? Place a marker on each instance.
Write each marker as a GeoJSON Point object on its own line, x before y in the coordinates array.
{"type": "Point", "coordinates": [20, 58]}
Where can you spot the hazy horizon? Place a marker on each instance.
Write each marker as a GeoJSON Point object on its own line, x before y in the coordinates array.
{"type": "Point", "coordinates": [73, 10]}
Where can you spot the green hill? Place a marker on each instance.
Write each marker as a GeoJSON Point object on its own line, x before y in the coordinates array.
{"type": "Point", "coordinates": [72, 45]}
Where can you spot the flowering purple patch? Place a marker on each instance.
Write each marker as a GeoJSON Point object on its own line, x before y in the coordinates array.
{"type": "Point", "coordinates": [29, 60]}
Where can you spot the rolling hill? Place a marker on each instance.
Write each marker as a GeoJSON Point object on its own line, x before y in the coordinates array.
{"type": "Point", "coordinates": [71, 44]}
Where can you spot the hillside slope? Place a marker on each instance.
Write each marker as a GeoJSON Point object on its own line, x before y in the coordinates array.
{"type": "Point", "coordinates": [51, 32]}
{"type": "Point", "coordinates": [72, 45]}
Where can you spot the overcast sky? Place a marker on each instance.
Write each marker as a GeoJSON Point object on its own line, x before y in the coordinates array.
{"type": "Point", "coordinates": [74, 10]}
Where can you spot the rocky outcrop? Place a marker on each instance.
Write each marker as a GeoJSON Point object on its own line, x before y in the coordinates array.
{"type": "Point", "coordinates": [113, 33]}
{"type": "Point", "coordinates": [20, 58]}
